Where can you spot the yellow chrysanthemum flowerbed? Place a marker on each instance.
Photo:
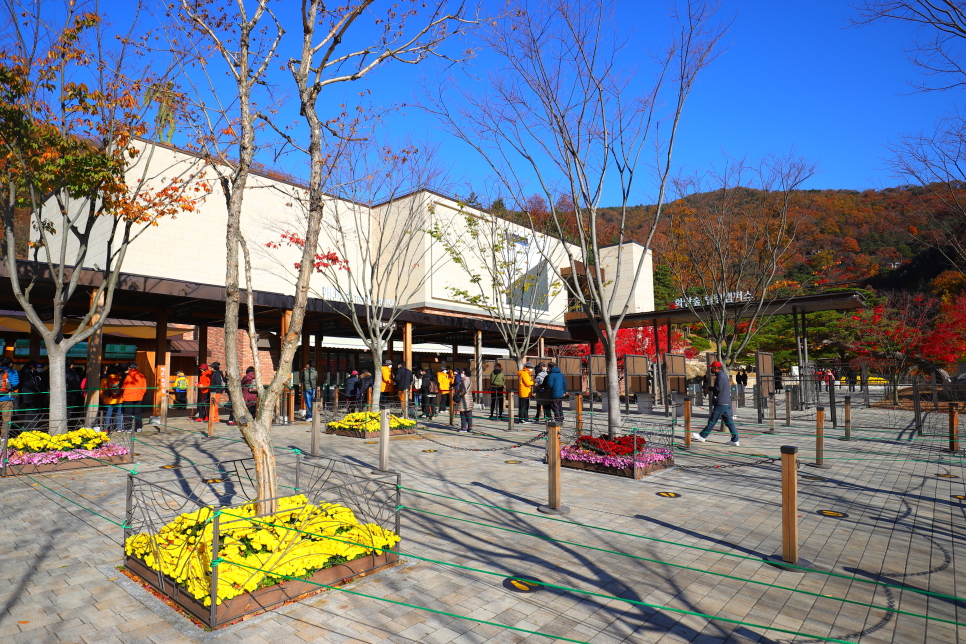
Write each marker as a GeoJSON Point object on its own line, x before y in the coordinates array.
{"type": "Point", "coordinates": [368, 421]}
{"type": "Point", "coordinates": [298, 540]}
{"type": "Point", "coordinates": [34, 442]}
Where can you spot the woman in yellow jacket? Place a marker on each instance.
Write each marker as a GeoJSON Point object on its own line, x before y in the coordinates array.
{"type": "Point", "coordinates": [526, 388]}
{"type": "Point", "coordinates": [445, 378]}
{"type": "Point", "coordinates": [387, 386]}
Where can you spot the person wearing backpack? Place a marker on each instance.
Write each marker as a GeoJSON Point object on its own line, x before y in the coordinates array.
{"type": "Point", "coordinates": [112, 397]}
{"type": "Point", "coordinates": [9, 380]}
{"type": "Point", "coordinates": [430, 392]}
{"type": "Point", "coordinates": [216, 388]}
{"type": "Point", "coordinates": [497, 391]}
{"type": "Point", "coordinates": [180, 391]}
{"type": "Point", "coordinates": [352, 392]}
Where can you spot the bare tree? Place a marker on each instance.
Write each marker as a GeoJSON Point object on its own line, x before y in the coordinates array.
{"type": "Point", "coordinates": [325, 59]}
{"type": "Point", "coordinates": [943, 26]}
{"type": "Point", "coordinates": [563, 115]}
{"type": "Point", "coordinates": [726, 243]}
{"type": "Point", "coordinates": [78, 182]}
{"type": "Point", "coordinates": [508, 274]}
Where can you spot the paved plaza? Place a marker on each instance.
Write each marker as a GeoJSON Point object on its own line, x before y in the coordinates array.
{"type": "Point", "coordinates": [626, 565]}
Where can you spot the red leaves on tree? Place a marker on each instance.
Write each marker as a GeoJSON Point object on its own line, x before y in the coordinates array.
{"type": "Point", "coordinates": [322, 261]}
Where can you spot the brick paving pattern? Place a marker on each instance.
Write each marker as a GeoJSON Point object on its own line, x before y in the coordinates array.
{"type": "Point", "coordinates": [904, 529]}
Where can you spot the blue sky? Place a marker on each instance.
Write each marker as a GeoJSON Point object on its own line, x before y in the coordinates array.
{"type": "Point", "coordinates": [795, 76]}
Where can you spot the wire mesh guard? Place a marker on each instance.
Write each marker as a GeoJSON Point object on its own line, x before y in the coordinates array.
{"type": "Point", "coordinates": [36, 451]}
{"type": "Point", "coordinates": [204, 544]}
{"type": "Point", "coordinates": [636, 451]}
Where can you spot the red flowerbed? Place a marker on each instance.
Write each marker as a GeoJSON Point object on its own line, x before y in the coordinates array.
{"type": "Point", "coordinates": [622, 446]}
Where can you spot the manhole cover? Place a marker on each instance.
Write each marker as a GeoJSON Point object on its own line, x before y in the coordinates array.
{"type": "Point", "coordinates": [429, 450]}
{"type": "Point", "coordinates": [518, 585]}
{"type": "Point", "coordinates": [668, 495]}
{"type": "Point", "coordinates": [513, 462]}
{"type": "Point", "coordinates": [831, 513]}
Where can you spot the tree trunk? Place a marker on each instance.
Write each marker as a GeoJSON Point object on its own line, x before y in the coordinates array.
{"type": "Point", "coordinates": [376, 379]}
{"type": "Point", "coordinates": [57, 370]}
{"type": "Point", "coordinates": [259, 439]}
{"type": "Point", "coordinates": [613, 389]}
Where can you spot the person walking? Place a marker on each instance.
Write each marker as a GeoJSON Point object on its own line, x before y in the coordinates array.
{"type": "Point", "coordinates": [741, 379]}
{"type": "Point", "coordinates": [112, 396]}
{"type": "Point", "coordinates": [133, 388]}
{"type": "Point", "coordinates": [464, 401]}
{"type": "Point", "coordinates": [204, 393]}
{"type": "Point", "coordinates": [525, 388]}
{"type": "Point", "coordinates": [720, 406]}
{"type": "Point", "coordinates": [309, 378]}
{"type": "Point", "coordinates": [180, 391]}
{"type": "Point", "coordinates": [554, 391]}
{"type": "Point", "coordinates": [31, 397]}
{"type": "Point", "coordinates": [497, 391]}
{"type": "Point", "coordinates": [430, 391]}
{"type": "Point", "coordinates": [404, 386]}
{"type": "Point", "coordinates": [9, 381]}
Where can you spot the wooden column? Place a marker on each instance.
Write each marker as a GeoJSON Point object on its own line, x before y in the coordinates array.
{"type": "Point", "coordinates": [820, 436]}
{"type": "Point", "coordinates": [35, 342]}
{"type": "Point", "coordinates": [953, 427]}
{"type": "Point", "coordinates": [160, 358]}
{"type": "Point", "coordinates": [95, 349]}
{"type": "Point", "coordinates": [318, 349]}
{"type": "Point", "coordinates": [202, 344]}
{"type": "Point", "coordinates": [687, 422]}
{"type": "Point", "coordinates": [541, 348]}
{"type": "Point", "coordinates": [455, 354]}
{"type": "Point", "coordinates": [408, 345]}
{"type": "Point", "coordinates": [306, 346]}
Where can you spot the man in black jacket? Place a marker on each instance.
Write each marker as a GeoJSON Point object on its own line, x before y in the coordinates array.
{"type": "Point", "coordinates": [404, 384]}
{"type": "Point", "coordinates": [216, 389]}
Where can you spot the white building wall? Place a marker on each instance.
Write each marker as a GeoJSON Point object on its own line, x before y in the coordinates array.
{"type": "Point", "coordinates": [640, 297]}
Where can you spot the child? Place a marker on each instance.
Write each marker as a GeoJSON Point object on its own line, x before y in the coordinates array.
{"type": "Point", "coordinates": [180, 391]}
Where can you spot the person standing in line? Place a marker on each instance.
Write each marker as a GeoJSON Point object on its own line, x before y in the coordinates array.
{"type": "Point", "coordinates": [249, 387]}
{"type": "Point", "coordinates": [525, 389]}
{"type": "Point", "coordinates": [497, 391]}
{"type": "Point", "coordinates": [539, 376]}
{"type": "Point", "coordinates": [386, 388]}
{"type": "Point", "coordinates": [180, 391]}
{"type": "Point", "coordinates": [464, 401]}
{"type": "Point", "coordinates": [779, 385]}
{"type": "Point", "coordinates": [445, 381]}
{"type": "Point", "coordinates": [204, 393]}
{"type": "Point", "coordinates": [75, 395]}
{"type": "Point", "coordinates": [404, 385]}
{"type": "Point", "coordinates": [430, 392]}
{"type": "Point", "coordinates": [31, 395]}
{"type": "Point", "coordinates": [416, 394]}
{"type": "Point", "coordinates": [216, 389]}
{"type": "Point", "coordinates": [352, 392]}
{"type": "Point", "coordinates": [851, 378]}
{"type": "Point", "coordinates": [9, 381]}
{"type": "Point", "coordinates": [555, 390]}
{"type": "Point", "coordinates": [366, 383]}
{"type": "Point", "coordinates": [134, 387]}
{"type": "Point", "coordinates": [741, 379]}
{"type": "Point", "coordinates": [112, 396]}
{"type": "Point", "coordinates": [309, 379]}
{"type": "Point", "coordinates": [720, 406]}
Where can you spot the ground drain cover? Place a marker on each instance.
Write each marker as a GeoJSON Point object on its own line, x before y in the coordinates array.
{"type": "Point", "coordinates": [429, 450]}
{"type": "Point", "coordinates": [518, 585]}
{"type": "Point", "coordinates": [831, 513]}
{"type": "Point", "coordinates": [371, 442]}
{"type": "Point", "coordinates": [961, 497]}
{"type": "Point", "coordinates": [668, 495]}
{"type": "Point", "coordinates": [513, 462]}
{"type": "Point", "coordinates": [948, 476]}
{"type": "Point", "coordinates": [171, 467]}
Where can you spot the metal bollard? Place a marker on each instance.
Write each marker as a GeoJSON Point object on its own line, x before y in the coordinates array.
{"type": "Point", "coordinates": [553, 466]}
{"type": "Point", "coordinates": [316, 413]}
{"type": "Point", "coordinates": [820, 437]}
{"type": "Point", "coordinates": [953, 427]}
{"type": "Point", "coordinates": [509, 411]}
{"type": "Point", "coordinates": [788, 408]}
{"type": "Point", "coordinates": [916, 405]}
{"type": "Point", "coordinates": [687, 422]}
{"type": "Point", "coordinates": [832, 409]}
{"type": "Point", "coordinates": [771, 413]}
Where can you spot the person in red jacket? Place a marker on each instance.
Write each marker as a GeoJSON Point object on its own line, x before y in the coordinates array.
{"type": "Point", "coordinates": [204, 382]}
{"type": "Point", "coordinates": [133, 388]}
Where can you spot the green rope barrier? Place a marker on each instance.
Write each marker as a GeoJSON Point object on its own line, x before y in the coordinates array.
{"type": "Point", "coordinates": [69, 500]}
{"type": "Point", "coordinates": [558, 587]}
{"type": "Point", "coordinates": [684, 545]}
{"type": "Point", "coordinates": [674, 565]}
